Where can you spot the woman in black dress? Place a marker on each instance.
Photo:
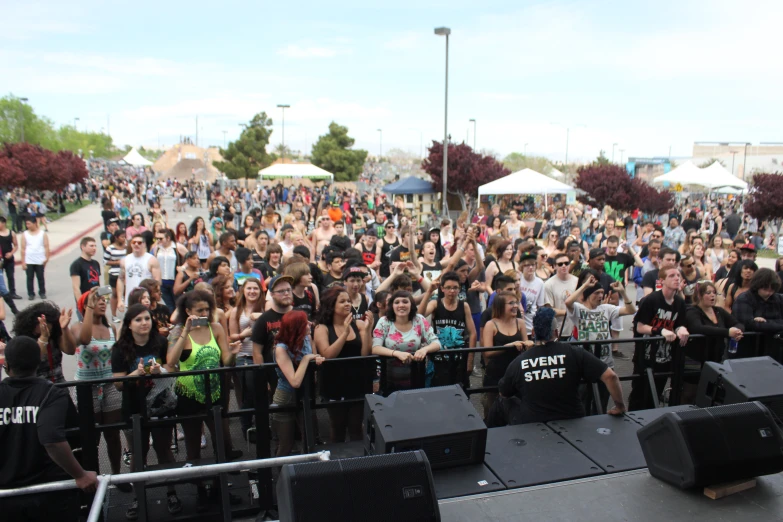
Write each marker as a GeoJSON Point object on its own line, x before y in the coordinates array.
{"type": "Point", "coordinates": [339, 335]}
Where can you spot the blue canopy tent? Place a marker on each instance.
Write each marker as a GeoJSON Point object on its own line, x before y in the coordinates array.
{"type": "Point", "coordinates": [409, 185]}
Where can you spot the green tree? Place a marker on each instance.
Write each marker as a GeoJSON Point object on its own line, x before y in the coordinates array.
{"type": "Point", "coordinates": [517, 161]}
{"type": "Point", "coordinates": [17, 116]}
{"type": "Point", "coordinates": [284, 151]}
{"type": "Point", "coordinates": [247, 155]}
{"type": "Point", "coordinates": [332, 152]}
{"type": "Point", "coordinates": [69, 138]}
{"type": "Point", "coordinates": [601, 159]}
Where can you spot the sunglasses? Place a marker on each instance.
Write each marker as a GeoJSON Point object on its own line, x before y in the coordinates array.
{"type": "Point", "coordinates": [391, 226]}
{"type": "Point", "coordinates": [137, 242]}
{"type": "Point", "coordinates": [564, 263]}
{"type": "Point", "coordinates": [687, 266]}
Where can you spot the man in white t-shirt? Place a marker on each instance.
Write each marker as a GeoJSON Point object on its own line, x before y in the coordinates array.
{"type": "Point", "coordinates": [134, 268]}
{"type": "Point", "coordinates": [556, 291]}
{"type": "Point", "coordinates": [533, 288]}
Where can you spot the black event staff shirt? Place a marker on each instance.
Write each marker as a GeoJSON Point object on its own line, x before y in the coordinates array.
{"type": "Point", "coordinates": [656, 312]}
{"type": "Point", "coordinates": [32, 413]}
{"type": "Point", "coordinates": [546, 379]}
{"type": "Point", "coordinates": [89, 273]}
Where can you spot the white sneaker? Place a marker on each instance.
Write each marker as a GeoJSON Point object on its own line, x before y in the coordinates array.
{"type": "Point", "coordinates": [203, 441]}
{"type": "Point", "coordinates": [181, 434]}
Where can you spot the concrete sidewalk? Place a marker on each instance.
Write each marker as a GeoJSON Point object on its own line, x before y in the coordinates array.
{"type": "Point", "coordinates": [68, 230]}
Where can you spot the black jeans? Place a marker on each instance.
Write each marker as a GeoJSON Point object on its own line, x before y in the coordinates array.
{"type": "Point", "coordinates": [35, 271]}
{"type": "Point", "coordinates": [8, 266]}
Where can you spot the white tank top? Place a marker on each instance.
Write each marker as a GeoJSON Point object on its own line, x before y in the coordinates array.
{"type": "Point", "coordinates": [167, 258]}
{"type": "Point", "coordinates": [136, 270]}
{"type": "Point", "coordinates": [34, 253]}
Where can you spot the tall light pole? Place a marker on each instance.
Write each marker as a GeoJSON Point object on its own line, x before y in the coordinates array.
{"type": "Point", "coordinates": [284, 107]}
{"type": "Point", "coordinates": [568, 135]}
{"type": "Point", "coordinates": [21, 116]}
{"type": "Point", "coordinates": [224, 139]}
{"type": "Point", "coordinates": [622, 151]}
{"type": "Point", "coordinates": [74, 123]}
{"type": "Point", "coordinates": [525, 153]}
{"type": "Point", "coordinates": [473, 121]}
{"type": "Point", "coordinates": [613, 146]}
{"type": "Point", "coordinates": [445, 31]}
{"type": "Point", "coordinates": [745, 162]}
{"type": "Point", "coordinates": [380, 150]}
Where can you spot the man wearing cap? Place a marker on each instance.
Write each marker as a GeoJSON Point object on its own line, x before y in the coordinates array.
{"type": "Point", "coordinates": [748, 251]}
{"type": "Point", "coordinates": [34, 415]}
{"type": "Point", "coordinates": [367, 247]}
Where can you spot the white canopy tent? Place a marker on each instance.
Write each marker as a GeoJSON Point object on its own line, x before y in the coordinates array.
{"type": "Point", "coordinates": [295, 170]}
{"type": "Point", "coordinates": [525, 181]}
{"type": "Point", "coordinates": [714, 176]}
{"type": "Point", "coordinates": [137, 160]}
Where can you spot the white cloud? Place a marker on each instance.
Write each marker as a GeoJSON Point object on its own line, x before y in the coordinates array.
{"type": "Point", "coordinates": [296, 51]}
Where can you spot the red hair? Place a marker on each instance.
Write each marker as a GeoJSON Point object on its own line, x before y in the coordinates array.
{"type": "Point", "coordinates": [293, 330]}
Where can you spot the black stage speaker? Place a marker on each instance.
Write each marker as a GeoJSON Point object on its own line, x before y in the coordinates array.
{"type": "Point", "coordinates": [712, 445]}
{"type": "Point", "coordinates": [440, 421]}
{"type": "Point", "coordinates": [382, 488]}
{"type": "Point", "coordinates": [742, 380]}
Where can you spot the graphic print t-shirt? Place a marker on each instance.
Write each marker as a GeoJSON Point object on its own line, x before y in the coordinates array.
{"type": "Point", "coordinates": [594, 325]}
{"type": "Point", "coordinates": [89, 273]}
{"type": "Point", "coordinates": [656, 312]}
{"type": "Point", "coordinates": [616, 265]}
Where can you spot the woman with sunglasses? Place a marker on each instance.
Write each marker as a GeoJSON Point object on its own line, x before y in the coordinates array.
{"type": "Point", "coordinates": [137, 226]}
{"type": "Point", "coordinates": [550, 242]}
{"type": "Point", "coordinates": [383, 248]}
{"type": "Point", "coordinates": [690, 237]}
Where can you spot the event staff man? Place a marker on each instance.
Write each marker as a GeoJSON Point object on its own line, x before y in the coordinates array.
{"type": "Point", "coordinates": [33, 419]}
{"type": "Point", "coordinates": [542, 383]}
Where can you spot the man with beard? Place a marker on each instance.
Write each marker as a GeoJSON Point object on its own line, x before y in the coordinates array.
{"type": "Point", "coordinates": [266, 327]}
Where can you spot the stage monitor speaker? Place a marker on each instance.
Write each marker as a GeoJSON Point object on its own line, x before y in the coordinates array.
{"type": "Point", "coordinates": [695, 448]}
{"type": "Point", "coordinates": [742, 380]}
{"type": "Point", "coordinates": [440, 421]}
{"type": "Point", "coordinates": [382, 488]}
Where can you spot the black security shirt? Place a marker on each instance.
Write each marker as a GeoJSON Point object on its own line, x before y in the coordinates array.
{"type": "Point", "coordinates": [546, 379]}
{"type": "Point", "coordinates": [32, 413]}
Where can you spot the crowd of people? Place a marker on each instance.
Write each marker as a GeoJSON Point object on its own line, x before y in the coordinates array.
{"type": "Point", "coordinates": [294, 275]}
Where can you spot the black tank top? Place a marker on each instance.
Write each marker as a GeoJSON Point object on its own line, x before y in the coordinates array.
{"type": "Point", "coordinates": [368, 256]}
{"type": "Point", "coordinates": [6, 243]}
{"type": "Point", "coordinates": [358, 313]}
{"type": "Point", "coordinates": [450, 326]}
{"type": "Point", "coordinates": [386, 249]}
{"type": "Point", "coordinates": [343, 380]}
{"type": "Point", "coordinates": [496, 367]}
{"type": "Point", "coordinates": [306, 303]}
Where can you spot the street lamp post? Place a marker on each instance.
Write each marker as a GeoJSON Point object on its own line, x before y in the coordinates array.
{"type": "Point", "coordinates": [525, 153]}
{"type": "Point", "coordinates": [733, 155]}
{"type": "Point", "coordinates": [613, 146]}
{"type": "Point", "coordinates": [473, 121]}
{"type": "Point", "coordinates": [74, 123]}
{"type": "Point", "coordinates": [224, 139]}
{"type": "Point", "coordinates": [568, 135]}
{"type": "Point", "coordinates": [21, 116]}
{"type": "Point", "coordinates": [622, 152]}
{"type": "Point", "coordinates": [445, 31]}
{"type": "Point", "coordinates": [284, 107]}
{"type": "Point", "coordinates": [380, 150]}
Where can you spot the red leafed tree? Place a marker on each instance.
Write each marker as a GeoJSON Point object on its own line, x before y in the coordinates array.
{"type": "Point", "coordinates": [43, 169]}
{"type": "Point", "coordinates": [11, 172]}
{"type": "Point", "coordinates": [467, 170]}
{"type": "Point", "coordinates": [651, 200]}
{"type": "Point", "coordinates": [73, 166]}
{"type": "Point", "coordinates": [606, 185]}
{"type": "Point", "coordinates": [765, 199]}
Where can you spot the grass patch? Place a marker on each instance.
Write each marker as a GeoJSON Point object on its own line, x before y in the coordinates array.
{"type": "Point", "coordinates": [768, 254]}
{"type": "Point", "coordinates": [69, 207]}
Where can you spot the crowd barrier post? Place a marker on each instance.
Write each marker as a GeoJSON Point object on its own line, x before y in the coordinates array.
{"type": "Point", "coordinates": [263, 449]}
{"type": "Point", "coordinates": [138, 462]}
{"type": "Point", "coordinates": [306, 395]}
{"type": "Point", "coordinates": [679, 371]}
{"type": "Point", "coordinates": [89, 436]}
{"type": "Point", "coordinates": [418, 372]}
{"type": "Point", "coordinates": [220, 458]}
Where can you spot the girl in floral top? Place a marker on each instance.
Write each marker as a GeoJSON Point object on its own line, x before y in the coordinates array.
{"type": "Point", "coordinates": [404, 336]}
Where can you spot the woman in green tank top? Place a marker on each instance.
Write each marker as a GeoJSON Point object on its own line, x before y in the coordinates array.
{"type": "Point", "coordinates": [199, 348]}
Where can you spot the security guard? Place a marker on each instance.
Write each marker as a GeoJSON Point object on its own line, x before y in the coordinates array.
{"type": "Point", "coordinates": [33, 417]}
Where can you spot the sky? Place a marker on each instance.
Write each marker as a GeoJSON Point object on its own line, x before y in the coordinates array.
{"type": "Point", "coordinates": [534, 74]}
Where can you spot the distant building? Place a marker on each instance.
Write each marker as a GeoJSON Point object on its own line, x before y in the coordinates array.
{"type": "Point", "coordinates": [740, 158]}
{"type": "Point", "coordinates": [647, 168]}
